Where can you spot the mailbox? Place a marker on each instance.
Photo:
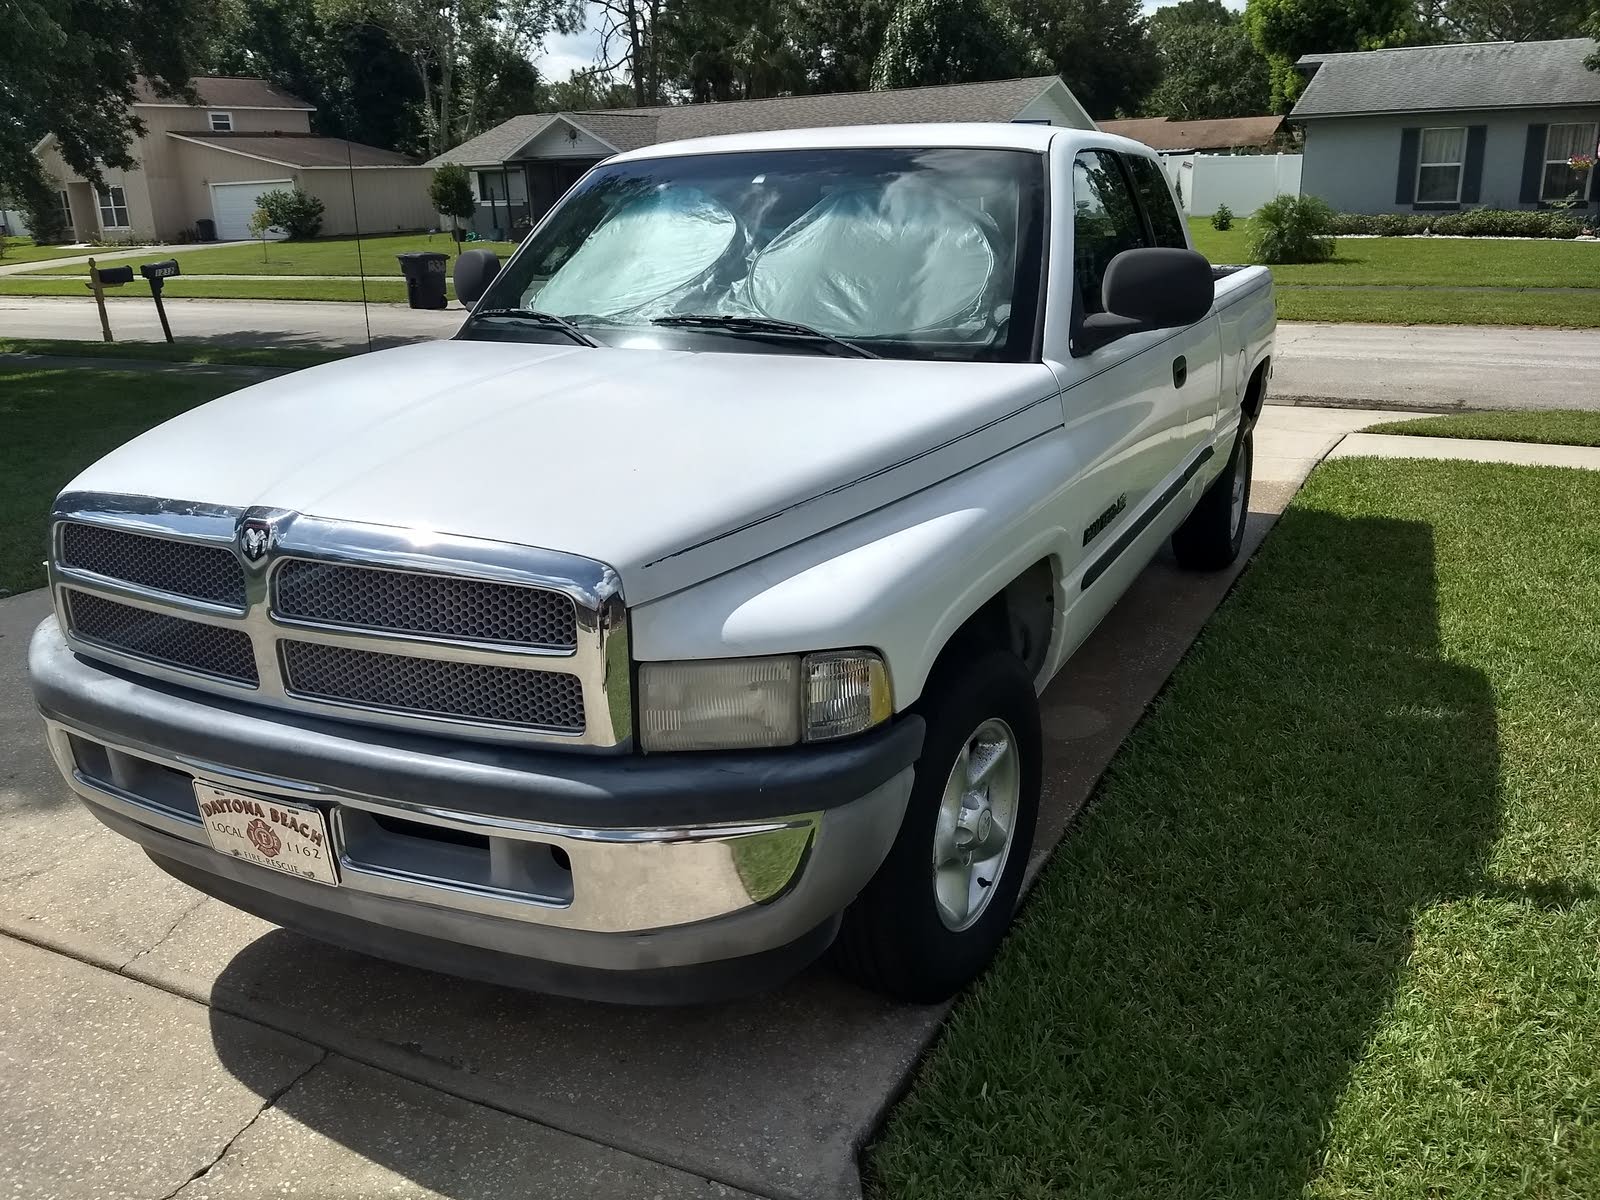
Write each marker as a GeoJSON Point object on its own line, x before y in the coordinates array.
{"type": "Point", "coordinates": [159, 270]}
{"type": "Point", "coordinates": [112, 276]}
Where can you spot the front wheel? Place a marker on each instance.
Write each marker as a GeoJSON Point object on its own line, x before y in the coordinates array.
{"type": "Point", "coordinates": [935, 913]}
{"type": "Point", "coordinates": [1213, 534]}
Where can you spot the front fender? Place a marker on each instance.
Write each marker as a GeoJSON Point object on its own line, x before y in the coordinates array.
{"type": "Point", "coordinates": [900, 580]}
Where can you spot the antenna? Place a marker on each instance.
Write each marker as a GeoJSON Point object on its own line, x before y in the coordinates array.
{"type": "Point", "coordinates": [355, 218]}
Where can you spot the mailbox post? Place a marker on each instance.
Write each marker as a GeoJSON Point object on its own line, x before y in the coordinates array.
{"type": "Point", "coordinates": [158, 273]}
{"type": "Point", "coordinates": [101, 278]}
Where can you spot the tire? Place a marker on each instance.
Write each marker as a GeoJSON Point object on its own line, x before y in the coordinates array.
{"type": "Point", "coordinates": [903, 936]}
{"type": "Point", "coordinates": [1212, 535]}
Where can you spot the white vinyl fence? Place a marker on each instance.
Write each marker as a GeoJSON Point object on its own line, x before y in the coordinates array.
{"type": "Point", "coordinates": [12, 223]}
{"type": "Point", "coordinates": [1244, 182]}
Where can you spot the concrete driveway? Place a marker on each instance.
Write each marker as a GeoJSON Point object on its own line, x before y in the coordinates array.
{"type": "Point", "coordinates": [157, 1043]}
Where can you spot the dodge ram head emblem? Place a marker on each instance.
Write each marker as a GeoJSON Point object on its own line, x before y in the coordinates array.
{"type": "Point", "coordinates": [254, 538]}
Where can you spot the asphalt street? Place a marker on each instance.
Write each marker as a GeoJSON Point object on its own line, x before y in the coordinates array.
{"type": "Point", "coordinates": [1424, 367]}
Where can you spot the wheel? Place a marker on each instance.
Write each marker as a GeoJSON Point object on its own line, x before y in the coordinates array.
{"type": "Point", "coordinates": [934, 914]}
{"type": "Point", "coordinates": [1213, 533]}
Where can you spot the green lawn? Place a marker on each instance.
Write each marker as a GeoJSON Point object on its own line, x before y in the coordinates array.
{"type": "Point", "coordinates": [1556, 427]}
{"type": "Point", "coordinates": [21, 250]}
{"type": "Point", "coordinates": [246, 356]}
{"type": "Point", "coordinates": [322, 256]}
{"type": "Point", "coordinates": [59, 420]}
{"type": "Point", "coordinates": [1466, 306]}
{"type": "Point", "coordinates": [1330, 926]}
{"type": "Point", "coordinates": [1442, 262]}
{"type": "Point", "coordinates": [384, 291]}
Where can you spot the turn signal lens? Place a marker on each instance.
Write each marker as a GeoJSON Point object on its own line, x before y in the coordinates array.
{"type": "Point", "coordinates": [847, 692]}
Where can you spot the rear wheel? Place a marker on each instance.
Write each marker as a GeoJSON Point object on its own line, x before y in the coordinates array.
{"type": "Point", "coordinates": [1213, 534]}
{"type": "Point", "coordinates": [935, 913]}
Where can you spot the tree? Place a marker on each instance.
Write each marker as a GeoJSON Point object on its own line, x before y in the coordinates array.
{"type": "Point", "coordinates": [837, 41]}
{"type": "Point", "coordinates": [953, 41]}
{"type": "Point", "coordinates": [1102, 48]}
{"type": "Point", "coordinates": [68, 68]}
{"type": "Point", "coordinates": [584, 90]}
{"type": "Point", "coordinates": [364, 87]}
{"type": "Point", "coordinates": [450, 193]}
{"type": "Point", "coordinates": [730, 49]}
{"type": "Point", "coordinates": [1209, 66]}
{"type": "Point", "coordinates": [1512, 20]}
{"type": "Point", "coordinates": [1283, 30]}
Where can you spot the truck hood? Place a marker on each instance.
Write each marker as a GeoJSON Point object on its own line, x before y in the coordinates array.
{"type": "Point", "coordinates": [669, 466]}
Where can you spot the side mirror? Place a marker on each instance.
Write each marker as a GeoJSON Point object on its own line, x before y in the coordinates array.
{"type": "Point", "coordinates": [475, 271]}
{"type": "Point", "coordinates": [1151, 288]}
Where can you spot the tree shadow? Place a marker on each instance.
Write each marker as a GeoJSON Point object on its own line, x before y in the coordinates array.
{"type": "Point", "coordinates": [1197, 973]}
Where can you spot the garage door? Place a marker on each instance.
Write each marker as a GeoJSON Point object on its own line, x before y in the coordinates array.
{"type": "Point", "coordinates": [232, 204]}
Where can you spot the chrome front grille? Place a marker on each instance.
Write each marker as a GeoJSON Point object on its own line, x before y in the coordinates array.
{"type": "Point", "coordinates": [156, 637]}
{"type": "Point", "coordinates": [500, 695]}
{"type": "Point", "coordinates": [384, 625]}
{"type": "Point", "coordinates": [435, 605]}
{"type": "Point", "coordinates": [182, 568]}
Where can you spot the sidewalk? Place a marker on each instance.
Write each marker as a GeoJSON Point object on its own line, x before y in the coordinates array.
{"type": "Point", "coordinates": [102, 254]}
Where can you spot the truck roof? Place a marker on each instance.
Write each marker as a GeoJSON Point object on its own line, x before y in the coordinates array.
{"type": "Point", "coordinates": [996, 135]}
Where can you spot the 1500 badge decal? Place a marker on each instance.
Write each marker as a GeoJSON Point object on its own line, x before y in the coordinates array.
{"type": "Point", "coordinates": [1105, 518]}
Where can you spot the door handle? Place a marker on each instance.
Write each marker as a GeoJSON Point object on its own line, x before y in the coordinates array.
{"type": "Point", "coordinates": [1180, 371]}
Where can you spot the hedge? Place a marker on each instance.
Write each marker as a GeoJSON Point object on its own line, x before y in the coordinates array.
{"type": "Point", "coordinates": [1479, 222]}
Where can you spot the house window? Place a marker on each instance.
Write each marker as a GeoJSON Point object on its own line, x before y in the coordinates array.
{"type": "Point", "coordinates": [494, 185]}
{"type": "Point", "coordinates": [221, 122]}
{"type": "Point", "coordinates": [65, 205]}
{"type": "Point", "coordinates": [1439, 166]}
{"type": "Point", "coordinates": [1563, 143]}
{"type": "Point", "coordinates": [113, 208]}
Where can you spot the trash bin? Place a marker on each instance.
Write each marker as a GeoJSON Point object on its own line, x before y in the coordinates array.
{"type": "Point", "coordinates": [206, 228]}
{"type": "Point", "coordinates": [425, 274]}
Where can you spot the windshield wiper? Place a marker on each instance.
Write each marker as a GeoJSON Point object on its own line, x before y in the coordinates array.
{"type": "Point", "coordinates": [549, 320]}
{"type": "Point", "coordinates": [735, 324]}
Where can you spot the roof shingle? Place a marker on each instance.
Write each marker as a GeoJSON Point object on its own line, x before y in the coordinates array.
{"type": "Point", "coordinates": [625, 128]}
{"type": "Point", "coordinates": [300, 149]}
{"type": "Point", "coordinates": [226, 91]}
{"type": "Point", "coordinates": [1440, 78]}
{"type": "Point", "coordinates": [1164, 133]}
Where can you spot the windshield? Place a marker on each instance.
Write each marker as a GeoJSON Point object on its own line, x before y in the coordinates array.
{"type": "Point", "coordinates": [931, 253]}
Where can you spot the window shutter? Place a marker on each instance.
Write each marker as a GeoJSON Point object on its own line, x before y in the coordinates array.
{"type": "Point", "coordinates": [1533, 164]}
{"type": "Point", "coordinates": [1405, 184]}
{"type": "Point", "coordinates": [1472, 170]}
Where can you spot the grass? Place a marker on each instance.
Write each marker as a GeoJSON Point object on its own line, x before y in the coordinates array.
{"type": "Point", "coordinates": [234, 356]}
{"type": "Point", "coordinates": [1555, 310]}
{"type": "Point", "coordinates": [57, 421]}
{"type": "Point", "coordinates": [378, 290]}
{"type": "Point", "coordinates": [320, 256]}
{"type": "Point", "coordinates": [1418, 262]}
{"type": "Point", "coordinates": [1552, 427]}
{"type": "Point", "coordinates": [1328, 928]}
{"type": "Point", "coordinates": [21, 250]}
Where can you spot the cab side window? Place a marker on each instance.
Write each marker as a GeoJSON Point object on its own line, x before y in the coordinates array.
{"type": "Point", "coordinates": [1105, 222]}
{"type": "Point", "coordinates": [1156, 196]}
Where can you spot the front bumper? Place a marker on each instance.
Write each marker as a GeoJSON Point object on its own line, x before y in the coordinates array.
{"type": "Point", "coordinates": [667, 877]}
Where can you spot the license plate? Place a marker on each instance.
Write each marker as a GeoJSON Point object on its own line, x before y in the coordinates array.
{"type": "Point", "coordinates": [281, 837]}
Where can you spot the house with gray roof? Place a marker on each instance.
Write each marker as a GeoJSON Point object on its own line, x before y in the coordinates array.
{"type": "Point", "coordinates": [1501, 125]}
{"type": "Point", "coordinates": [523, 166]}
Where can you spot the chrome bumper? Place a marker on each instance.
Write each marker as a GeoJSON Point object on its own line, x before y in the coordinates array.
{"type": "Point", "coordinates": [470, 844]}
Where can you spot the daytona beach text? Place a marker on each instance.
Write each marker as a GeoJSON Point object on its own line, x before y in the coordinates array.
{"type": "Point", "coordinates": [254, 808]}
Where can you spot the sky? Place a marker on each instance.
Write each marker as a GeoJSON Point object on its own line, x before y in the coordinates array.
{"type": "Point", "coordinates": [576, 52]}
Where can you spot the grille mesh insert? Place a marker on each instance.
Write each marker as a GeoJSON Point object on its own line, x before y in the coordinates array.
{"type": "Point", "coordinates": [430, 687]}
{"type": "Point", "coordinates": [209, 649]}
{"type": "Point", "coordinates": [200, 572]}
{"type": "Point", "coordinates": [436, 605]}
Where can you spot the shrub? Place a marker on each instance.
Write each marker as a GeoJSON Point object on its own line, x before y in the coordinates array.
{"type": "Point", "coordinates": [1478, 222]}
{"type": "Point", "coordinates": [1292, 229]}
{"type": "Point", "coordinates": [297, 213]}
{"type": "Point", "coordinates": [1222, 219]}
{"type": "Point", "coordinates": [450, 193]}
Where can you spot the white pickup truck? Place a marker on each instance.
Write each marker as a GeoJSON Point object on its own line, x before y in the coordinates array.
{"type": "Point", "coordinates": [686, 613]}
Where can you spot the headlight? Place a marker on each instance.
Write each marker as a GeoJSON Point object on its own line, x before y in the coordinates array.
{"type": "Point", "coordinates": [748, 703]}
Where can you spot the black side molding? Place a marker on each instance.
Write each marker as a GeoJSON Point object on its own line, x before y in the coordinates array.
{"type": "Point", "coordinates": [1142, 522]}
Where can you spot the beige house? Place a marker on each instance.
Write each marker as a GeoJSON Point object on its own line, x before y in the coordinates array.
{"type": "Point", "coordinates": [209, 163]}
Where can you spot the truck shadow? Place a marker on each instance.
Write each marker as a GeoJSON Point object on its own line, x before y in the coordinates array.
{"type": "Point", "coordinates": [1226, 921]}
